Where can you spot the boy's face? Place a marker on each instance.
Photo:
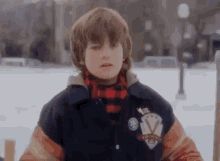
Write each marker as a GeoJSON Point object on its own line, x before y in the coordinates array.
{"type": "Point", "coordinates": [104, 62]}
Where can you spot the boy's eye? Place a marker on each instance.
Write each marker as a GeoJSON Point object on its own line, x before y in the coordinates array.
{"type": "Point", "coordinates": [95, 47]}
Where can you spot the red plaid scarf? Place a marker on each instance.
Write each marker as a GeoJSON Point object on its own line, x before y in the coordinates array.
{"type": "Point", "coordinates": [112, 94]}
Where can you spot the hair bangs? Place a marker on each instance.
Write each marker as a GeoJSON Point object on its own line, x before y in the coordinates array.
{"type": "Point", "coordinates": [102, 26]}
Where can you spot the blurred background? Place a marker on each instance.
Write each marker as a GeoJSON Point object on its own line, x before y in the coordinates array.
{"type": "Point", "coordinates": [174, 46]}
{"type": "Point", "coordinates": [39, 29]}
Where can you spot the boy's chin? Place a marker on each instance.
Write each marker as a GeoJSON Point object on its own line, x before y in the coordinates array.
{"type": "Point", "coordinates": [106, 75]}
{"type": "Point", "coordinates": [106, 78]}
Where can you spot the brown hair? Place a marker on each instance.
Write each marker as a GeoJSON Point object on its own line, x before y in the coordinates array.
{"type": "Point", "coordinates": [95, 26]}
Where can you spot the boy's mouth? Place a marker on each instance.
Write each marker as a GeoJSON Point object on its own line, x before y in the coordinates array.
{"type": "Point", "coordinates": [106, 65]}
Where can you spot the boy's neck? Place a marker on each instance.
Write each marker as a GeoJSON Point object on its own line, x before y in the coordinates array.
{"type": "Point", "coordinates": [107, 82]}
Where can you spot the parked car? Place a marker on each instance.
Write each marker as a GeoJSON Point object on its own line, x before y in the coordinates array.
{"type": "Point", "coordinates": [15, 61]}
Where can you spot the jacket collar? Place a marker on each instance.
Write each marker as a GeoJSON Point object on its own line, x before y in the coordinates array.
{"type": "Point", "coordinates": [78, 91]}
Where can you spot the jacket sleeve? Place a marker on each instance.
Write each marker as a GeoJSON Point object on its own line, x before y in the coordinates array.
{"type": "Point", "coordinates": [42, 148]}
{"type": "Point", "coordinates": [178, 147]}
{"type": "Point", "coordinates": [46, 140]}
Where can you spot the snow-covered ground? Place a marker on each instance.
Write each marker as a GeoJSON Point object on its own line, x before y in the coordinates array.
{"type": "Point", "coordinates": [23, 92]}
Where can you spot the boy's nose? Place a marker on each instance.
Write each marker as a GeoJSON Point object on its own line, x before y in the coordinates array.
{"type": "Point", "coordinates": [106, 53]}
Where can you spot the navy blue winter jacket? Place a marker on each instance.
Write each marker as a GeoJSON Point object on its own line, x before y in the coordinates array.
{"type": "Point", "coordinates": [74, 127]}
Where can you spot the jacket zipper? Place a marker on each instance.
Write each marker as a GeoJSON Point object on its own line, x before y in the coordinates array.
{"type": "Point", "coordinates": [117, 146]}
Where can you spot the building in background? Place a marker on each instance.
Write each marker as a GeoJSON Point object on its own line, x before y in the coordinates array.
{"type": "Point", "coordinates": [210, 39]}
{"type": "Point", "coordinates": [201, 37]}
{"type": "Point", "coordinates": [40, 28]}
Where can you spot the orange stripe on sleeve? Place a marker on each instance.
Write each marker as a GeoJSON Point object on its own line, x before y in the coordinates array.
{"type": "Point", "coordinates": [42, 148]}
{"type": "Point", "coordinates": [178, 147]}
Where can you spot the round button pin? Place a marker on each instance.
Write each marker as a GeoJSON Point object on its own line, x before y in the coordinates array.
{"type": "Point", "coordinates": [133, 124]}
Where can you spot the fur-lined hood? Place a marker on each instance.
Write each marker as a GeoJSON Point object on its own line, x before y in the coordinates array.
{"type": "Point", "coordinates": [78, 79]}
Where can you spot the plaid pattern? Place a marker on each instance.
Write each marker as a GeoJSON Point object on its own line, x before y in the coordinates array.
{"type": "Point", "coordinates": [112, 94]}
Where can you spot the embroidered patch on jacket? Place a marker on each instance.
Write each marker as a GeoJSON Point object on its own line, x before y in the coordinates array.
{"type": "Point", "coordinates": [151, 127]}
{"type": "Point", "coordinates": [143, 111]}
{"type": "Point", "coordinates": [133, 124]}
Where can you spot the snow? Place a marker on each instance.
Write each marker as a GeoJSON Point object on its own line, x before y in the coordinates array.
{"type": "Point", "coordinates": [23, 92]}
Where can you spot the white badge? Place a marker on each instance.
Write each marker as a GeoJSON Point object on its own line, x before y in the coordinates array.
{"type": "Point", "coordinates": [133, 124]}
{"type": "Point", "coordinates": [151, 127]}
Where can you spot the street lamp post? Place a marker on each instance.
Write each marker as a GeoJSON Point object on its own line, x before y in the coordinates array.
{"type": "Point", "coordinates": [216, 144]}
{"type": "Point", "coordinates": [148, 45]}
{"type": "Point", "coordinates": [183, 14]}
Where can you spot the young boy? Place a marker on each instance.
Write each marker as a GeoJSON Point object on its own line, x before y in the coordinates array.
{"type": "Point", "coordinates": [105, 113]}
